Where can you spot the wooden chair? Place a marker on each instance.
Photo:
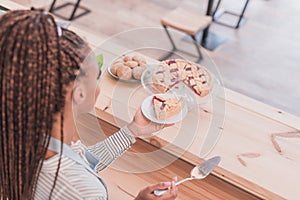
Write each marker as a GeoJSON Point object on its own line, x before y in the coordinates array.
{"type": "Point", "coordinates": [186, 22]}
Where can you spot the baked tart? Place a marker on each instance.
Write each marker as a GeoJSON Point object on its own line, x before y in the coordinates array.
{"type": "Point", "coordinates": [165, 108]}
{"type": "Point", "coordinates": [170, 73]}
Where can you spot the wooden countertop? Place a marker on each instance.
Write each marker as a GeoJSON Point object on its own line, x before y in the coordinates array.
{"type": "Point", "coordinates": [256, 142]}
{"type": "Point", "coordinates": [126, 185]}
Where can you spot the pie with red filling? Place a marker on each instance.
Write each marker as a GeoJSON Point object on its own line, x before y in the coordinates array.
{"type": "Point", "coordinates": [165, 108]}
{"type": "Point", "coordinates": [171, 72]}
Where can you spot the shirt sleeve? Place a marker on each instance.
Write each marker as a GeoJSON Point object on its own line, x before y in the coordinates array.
{"type": "Point", "coordinates": [112, 147]}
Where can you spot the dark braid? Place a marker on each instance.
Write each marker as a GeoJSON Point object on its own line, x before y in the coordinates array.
{"type": "Point", "coordinates": [36, 66]}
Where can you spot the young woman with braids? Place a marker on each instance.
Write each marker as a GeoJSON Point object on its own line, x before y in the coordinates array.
{"type": "Point", "coordinates": [39, 101]}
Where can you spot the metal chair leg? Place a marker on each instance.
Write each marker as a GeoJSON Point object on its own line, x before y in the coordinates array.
{"type": "Point", "coordinates": [52, 6]}
{"type": "Point", "coordinates": [216, 9]}
{"type": "Point", "coordinates": [74, 10]}
{"type": "Point", "coordinates": [200, 57]}
{"type": "Point", "coordinates": [219, 12]}
{"type": "Point", "coordinates": [170, 38]}
{"type": "Point", "coordinates": [198, 48]}
{"type": "Point", "coordinates": [173, 45]}
{"type": "Point", "coordinates": [242, 14]}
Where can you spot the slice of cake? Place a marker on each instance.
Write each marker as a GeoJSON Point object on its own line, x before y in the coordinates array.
{"type": "Point", "coordinates": [165, 108]}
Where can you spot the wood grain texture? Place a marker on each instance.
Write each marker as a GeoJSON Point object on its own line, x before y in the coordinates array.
{"type": "Point", "coordinates": [126, 185]}
{"type": "Point", "coordinates": [247, 128]}
{"type": "Point", "coordinates": [221, 173]}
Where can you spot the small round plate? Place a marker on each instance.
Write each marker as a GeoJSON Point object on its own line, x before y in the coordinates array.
{"type": "Point", "coordinates": [148, 111]}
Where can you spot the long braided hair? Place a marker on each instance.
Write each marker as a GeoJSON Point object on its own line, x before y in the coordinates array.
{"type": "Point", "coordinates": [37, 61]}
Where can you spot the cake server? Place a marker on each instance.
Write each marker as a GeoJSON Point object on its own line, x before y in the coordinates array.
{"type": "Point", "coordinates": [198, 172]}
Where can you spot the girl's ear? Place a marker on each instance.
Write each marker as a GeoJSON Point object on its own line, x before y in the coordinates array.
{"type": "Point", "coordinates": [78, 95]}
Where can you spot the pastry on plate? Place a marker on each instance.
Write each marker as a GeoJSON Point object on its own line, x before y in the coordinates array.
{"type": "Point", "coordinates": [115, 66]}
{"type": "Point", "coordinates": [138, 71]}
{"type": "Point", "coordinates": [165, 108]}
{"type": "Point", "coordinates": [171, 72]}
{"type": "Point", "coordinates": [124, 72]}
{"type": "Point", "coordinates": [128, 67]}
{"type": "Point", "coordinates": [132, 64]}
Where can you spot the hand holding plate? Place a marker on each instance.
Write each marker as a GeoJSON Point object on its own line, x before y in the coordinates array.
{"type": "Point", "coordinates": [142, 126]}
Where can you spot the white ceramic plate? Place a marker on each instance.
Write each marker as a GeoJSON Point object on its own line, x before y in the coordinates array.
{"type": "Point", "coordinates": [148, 111]}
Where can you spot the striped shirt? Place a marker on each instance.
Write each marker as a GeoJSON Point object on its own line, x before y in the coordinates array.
{"type": "Point", "coordinates": [74, 181]}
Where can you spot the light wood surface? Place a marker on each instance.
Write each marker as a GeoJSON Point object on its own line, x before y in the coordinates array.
{"type": "Point", "coordinates": [127, 185]}
{"type": "Point", "coordinates": [248, 125]}
{"type": "Point", "coordinates": [244, 140]}
{"type": "Point", "coordinates": [245, 136]}
{"type": "Point", "coordinates": [11, 5]}
{"type": "Point", "coordinates": [244, 132]}
{"type": "Point", "coordinates": [116, 95]}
